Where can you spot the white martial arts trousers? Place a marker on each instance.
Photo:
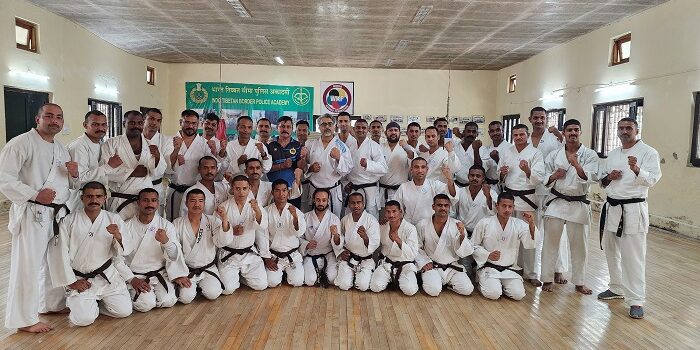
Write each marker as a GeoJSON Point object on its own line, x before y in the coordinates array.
{"type": "Point", "coordinates": [111, 299]}
{"type": "Point", "coordinates": [294, 271]}
{"type": "Point", "coordinates": [457, 281]}
{"type": "Point", "coordinates": [407, 279]}
{"type": "Point", "coordinates": [250, 267]}
{"type": "Point", "coordinates": [626, 257]}
{"type": "Point", "coordinates": [361, 273]}
{"type": "Point", "coordinates": [555, 230]}
{"type": "Point", "coordinates": [208, 284]}
{"type": "Point", "coordinates": [156, 297]}
{"type": "Point", "coordinates": [310, 275]}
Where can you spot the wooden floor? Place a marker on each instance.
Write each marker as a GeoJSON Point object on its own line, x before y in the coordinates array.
{"type": "Point", "coordinates": [306, 317]}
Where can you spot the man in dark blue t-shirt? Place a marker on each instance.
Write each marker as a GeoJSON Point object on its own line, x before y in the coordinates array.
{"type": "Point", "coordinates": [287, 155]}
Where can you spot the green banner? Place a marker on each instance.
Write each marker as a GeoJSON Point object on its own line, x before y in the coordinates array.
{"type": "Point", "coordinates": [231, 100]}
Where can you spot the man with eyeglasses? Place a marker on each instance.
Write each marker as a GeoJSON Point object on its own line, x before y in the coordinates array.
{"type": "Point", "coordinates": [329, 160]}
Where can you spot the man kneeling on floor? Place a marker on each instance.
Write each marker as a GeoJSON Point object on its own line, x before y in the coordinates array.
{"type": "Point", "coordinates": [496, 242]}
{"type": "Point", "coordinates": [156, 258]}
{"type": "Point", "coordinates": [442, 241]}
{"type": "Point", "coordinates": [81, 259]}
{"type": "Point", "coordinates": [361, 237]}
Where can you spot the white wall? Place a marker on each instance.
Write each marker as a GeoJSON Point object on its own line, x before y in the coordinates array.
{"type": "Point", "coordinates": [75, 60]}
{"type": "Point", "coordinates": [665, 66]}
{"type": "Point", "coordinates": [377, 91]}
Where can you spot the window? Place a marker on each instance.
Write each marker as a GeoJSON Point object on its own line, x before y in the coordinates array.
{"type": "Point", "coordinates": [695, 150]}
{"type": "Point", "coordinates": [150, 76]}
{"type": "Point", "coordinates": [605, 118]}
{"type": "Point", "coordinates": [621, 50]}
{"type": "Point", "coordinates": [509, 121]}
{"type": "Point", "coordinates": [555, 117]}
{"type": "Point", "coordinates": [512, 80]}
{"type": "Point", "coordinates": [25, 35]}
{"type": "Point", "coordinates": [113, 111]}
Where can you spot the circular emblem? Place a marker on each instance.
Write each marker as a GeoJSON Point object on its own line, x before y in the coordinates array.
{"type": "Point", "coordinates": [337, 98]}
{"type": "Point", "coordinates": [199, 94]}
{"type": "Point", "coordinates": [301, 96]}
{"type": "Point", "coordinates": [292, 151]}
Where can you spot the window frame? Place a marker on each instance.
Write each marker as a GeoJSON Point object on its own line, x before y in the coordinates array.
{"type": "Point", "coordinates": [114, 115]}
{"type": "Point", "coordinates": [694, 154]}
{"type": "Point", "coordinates": [32, 28]}
{"type": "Point", "coordinates": [509, 121]}
{"type": "Point", "coordinates": [633, 104]}
{"type": "Point", "coordinates": [512, 83]}
{"type": "Point", "coordinates": [152, 70]}
{"type": "Point", "coordinates": [616, 54]}
{"type": "Point", "coordinates": [560, 117]}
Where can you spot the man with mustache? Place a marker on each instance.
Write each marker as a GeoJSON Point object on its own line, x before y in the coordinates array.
{"type": "Point", "coordinates": [263, 127]}
{"type": "Point", "coordinates": [413, 132]}
{"type": "Point", "coordinates": [369, 166]}
{"type": "Point", "coordinates": [413, 194]}
{"type": "Point", "coordinates": [188, 149]}
{"type": "Point", "coordinates": [375, 131]}
{"type": "Point", "coordinates": [163, 144]}
{"type": "Point", "coordinates": [329, 160]}
{"type": "Point", "coordinates": [360, 232]}
{"type": "Point", "coordinates": [398, 160]}
{"type": "Point", "coordinates": [399, 248]}
{"type": "Point", "coordinates": [36, 174]}
{"type": "Point", "coordinates": [496, 241]}
{"type": "Point", "coordinates": [140, 165]}
{"type": "Point", "coordinates": [82, 259]}
{"type": "Point", "coordinates": [244, 148]}
{"type": "Point", "coordinates": [302, 131]}
{"type": "Point", "coordinates": [287, 156]}
{"type": "Point", "coordinates": [211, 125]}
{"type": "Point", "coordinates": [467, 153]}
{"type": "Point", "coordinates": [490, 155]}
{"type": "Point", "coordinates": [156, 257]}
{"type": "Point", "coordinates": [345, 130]}
{"type": "Point", "coordinates": [321, 242]}
{"type": "Point", "coordinates": [200, 235]}
{"type": "Point", "coordinates": [215, 192]}
{"type": "Point", "coordinates": [86, 152]}
{"type": "Point", "coordinates": [521, 169]}
{"type": "Point", "coordinates": [627, 175]}
{"type": "Point", "coordinates": [442, 241]}
{"type": "Point", "coordinates": [441, 125]}
{"type": "Point", "coordinates": [438, 156]}
{"type": "Point", "coordinates": [570, 172]}
{"type": "Point", "coordinates": [548, 140]}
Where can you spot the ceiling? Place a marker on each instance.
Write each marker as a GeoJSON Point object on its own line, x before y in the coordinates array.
{"type": "Point", "coordinates": [459, 35]}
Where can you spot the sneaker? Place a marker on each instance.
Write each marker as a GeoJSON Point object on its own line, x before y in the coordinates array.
{"type": "Point", "coordinates": [636, 311]}
{"type": "Point", "coordinates": [609, 295]}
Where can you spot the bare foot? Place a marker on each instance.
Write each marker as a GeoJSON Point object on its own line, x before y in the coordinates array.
{"type": "Point", "coordinates": [39, 327]}
{"type": "Point", "coordinates": [548, 287]}
{"type": "Point", "coordinates": [535, 282]}
{"type": "Point", "coordinates": [59, 312]}
{"type": "Point", "coordinates": [559, 278]}
{"type": "Point", "coordinates": [583, 290]}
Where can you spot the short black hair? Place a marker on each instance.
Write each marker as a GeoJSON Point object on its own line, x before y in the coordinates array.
{"type": "Point", "coordinates": [478, 167]}
{"type": "Point", "coordinates": [153, 110]}
{"type": "Point", "coordinates": [206, 158]}
{"type": "Point", "coordinates": [393, 203]}
{"type": "Point", "coordinates": [361, 120]}
{"type": "Point", "coordinates": [537, 109]}
{"type": "Point", "coordinates": [441, 119]}
{"type": "Point", "coordinates": [322, 190]}
{"type": "Point", "coordinates": [521, 126]}
{"type": "Point", "coordinates": [572, 122]}
{"type": "Point", "coordinates": [193, 192]}
{"type": "Point", "coordinates": [471, 124]}
{"type": "Point", "coordinates": [505, 195]}
{"type": "Point", "coordinates": [250, 160]}
{"type": "Point", "coordinates": [285, 118]}
{"type": "Point", "coordinates": [244, 117]}
{"type": "Point", "coordinates": [355, 194]}
{"type": "Point", "coordinates": [132, 113]}
{"type": "Point", "coordinates": [95, 185]}
{"type": "Point", "coordinates": [93, 112]}
{"type": "Point", "coordinates": [280, 182]}
{"type": "Point", "coordinates": [211, 116]}
{"type": "Point", "coordinates": [263, 119]}
{"type": "Point", "coordinates": [189, 112]}
{"type": "Point", "coordinates": [417, 159]}
{"type": "Point", "coordinates": [303, 122]}
{"type": "Point", "coordinates": [344, 114]}
{"type": "Point", "coordinates": [431, 128]}
{"type": "Point", "coordinates": [441, 196]}
{"type": "Point", "coordinates": [630, 120]}
{"type": "Point", "coordinates": [495, 122]}
{"type": "Point", "coordinates": [417, 125]}
{"type": "Point", "coordinates": [375, 121]}
{"type": "Point", "coordinates": [148, 190]}
{"type": "Point", "coordinates": [240, 178]}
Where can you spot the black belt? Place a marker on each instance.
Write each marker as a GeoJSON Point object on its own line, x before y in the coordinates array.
{"type": "Point", "coordinates": [285, 255]}
{"type": "Point", "coordinates": [387, 188]}
{"type": "Point", "coordinates": [604, 214]}
{"type": "Point", "coordinates": [357, 258]}
{"type": "Point", "coordinates": [128, 199]}
{"type": "Point", "coordinates": [499, 267]}
{"type": "Point", "coordinates": [176, 188]}
{"type": "Point", "coordinates": [581, 198]}
{"type": "Point", "coordinates": [326, 189]}
{"type": "Point", "coordinates": [522, 195]}
{"type": "Point", "coordinates": [491, 181]}
{"type": "Point", "coordinates": [461, 184]}
{"type": "Point", "coordinates": [148, 275]}
{"type": "Point", "coordinates": [447, 266]}
{"type": "Point", "coordinates": [196, 271]}
{"type": "Point", "coordinates": [233, 251]}
{"type": "Point", "coordinates": [396, 269]}
{"type": "Point", "coordinates": [359, 187]}
{"type": "Point", "coordinates": [56, 209]}
{"type": "Point", "coordinates": [157, 182]}
{"type": "Point", "coordinates": [321, 276]}
{"type": "Point", "coordinates": [100, 271]}
{"type": "Point", "coordinates": [305, 182]}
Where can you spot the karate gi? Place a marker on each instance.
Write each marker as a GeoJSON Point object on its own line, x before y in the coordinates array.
{"type": "Point", "coordinates": [364, 180]}
{"type": "Point", "coordinates": [437, 160]}
{"type": "Point", "coordinates": [357, 270]}
{"type": "Point", "coordinates": [322, 259]}
{"type": "Point", "coordinates": [165, 147]}
{"type": "Point", "coordinates": [235, 150]}
{"type": "Point", "coordinates": [397, 263]}
{"type": "Point", "coordinates": [87, 154]}
{"type": "Point", "coordinates": [398, 165]}
{"type": "Point", "coordinates": [185, 175]}
{"type": "Point", "coordinates": [211, 200]}
{"type": "Point", "coordinates": [331, 170]}
{"type": "Point", "coordinates": [283, 244]}
{"type": "Point", "coordinates": [416, 201]}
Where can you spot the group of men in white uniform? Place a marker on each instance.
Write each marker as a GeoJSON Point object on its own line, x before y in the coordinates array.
{"type": "Point", "coordinates": [97, 226]}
